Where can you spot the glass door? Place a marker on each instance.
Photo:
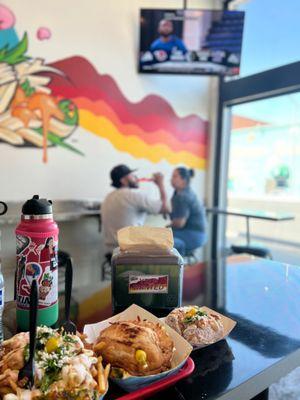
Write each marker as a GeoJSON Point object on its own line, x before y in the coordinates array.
{"type": "Point", "coordinates": [264, 173]}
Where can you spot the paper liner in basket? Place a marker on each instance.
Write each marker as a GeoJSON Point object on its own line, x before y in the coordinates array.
{"type": "Point", "coordinates": [228, 325]}
{"type": "Point", "coordinates": [131, 383]}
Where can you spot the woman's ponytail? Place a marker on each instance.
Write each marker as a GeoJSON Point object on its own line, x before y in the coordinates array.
{"type": "Point", "coordinates": [186, 173]}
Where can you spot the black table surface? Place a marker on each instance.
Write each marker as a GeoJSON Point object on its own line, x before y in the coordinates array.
{"type": "Point", "coordinates": [263, 296]}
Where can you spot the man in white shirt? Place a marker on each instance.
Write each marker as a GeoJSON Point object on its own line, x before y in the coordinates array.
{"type": "Point", "coordinates": [127, 205]}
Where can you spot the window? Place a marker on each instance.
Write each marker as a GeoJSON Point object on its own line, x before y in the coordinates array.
{"type": "Point", "coordinates": [271, 34]}
{"type": "Point", "coordinates": [265, 148]}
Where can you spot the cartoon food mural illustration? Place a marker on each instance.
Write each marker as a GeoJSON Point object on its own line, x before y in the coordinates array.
{"type": "Point", "coordinates": [41, 104]}
{"type": "Point", "coordinates": [29, 113]}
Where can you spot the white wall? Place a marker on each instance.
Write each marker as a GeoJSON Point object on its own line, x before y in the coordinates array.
{"type": "Point", "coordinates": [106, 33]}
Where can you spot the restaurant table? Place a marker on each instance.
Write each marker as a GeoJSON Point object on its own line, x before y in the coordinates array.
{"type": "Point", "coordinates": [255, 214]}
{"type": "Point", "coordinates": [262, 296]}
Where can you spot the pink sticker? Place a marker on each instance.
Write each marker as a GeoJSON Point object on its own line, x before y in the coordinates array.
{"type": "Point", "coordinates": [43, 33]}
{"type": "Point", "coordinates": [7, 18]}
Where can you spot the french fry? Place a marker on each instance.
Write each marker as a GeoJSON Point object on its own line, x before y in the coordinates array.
{"type": "Point", "coordinates": [31, 67]}
{"type": "Point", "coordinates": [10, 137]}
{"type": "Point", "coordinates": [106, 372]}
{"type": "Point", "coordinates": [13, 385]}
{"type": "Point", "coordinates": [28, 69]}
{"type": "Point", "coordinates": [94, 372]}
{"type": "Point", "coordinates": [35, 394]}
{"type": "Point", "coordinates": [7, 92]}
{"type": "Point", "coordinates": [4, 116]}
{"type": "Point", "coordinates": [7, 74]}
{"type": "Point", "coordinates": [12, 123]}
{"type": "Point", "coordinates": [5, 390]}
{"type": "Point", "coordinates": [4, 67]}
{"type": "Point", "coordinates": [7, 79]}
{"type": "Point", "coordinates": [59, 128]}
{"type": "Point", "coordinates": [37, 81]}
{"type": "Point", "coordinates": [101, 378]}
{"type": "Point", "coordinates": [31, 136]}
{"type": "Point", "coordinates": [35, 123]}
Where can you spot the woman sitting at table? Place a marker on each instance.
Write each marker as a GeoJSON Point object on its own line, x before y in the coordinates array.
{"type": "Point", "coordinates": [188, 220]}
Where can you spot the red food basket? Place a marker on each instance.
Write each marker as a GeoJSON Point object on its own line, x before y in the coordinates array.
{"type": "Point", "coordinates": [150, 390]}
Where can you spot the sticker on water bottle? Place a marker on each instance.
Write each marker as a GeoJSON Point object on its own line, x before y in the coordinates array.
{"type": "Point", "coordinates": [1, 297]}
{"type": "Point", "coordinates": [36, 259]}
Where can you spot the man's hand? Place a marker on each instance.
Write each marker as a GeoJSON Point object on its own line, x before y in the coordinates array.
{"type": "Point", "coordinates": [158, 179]}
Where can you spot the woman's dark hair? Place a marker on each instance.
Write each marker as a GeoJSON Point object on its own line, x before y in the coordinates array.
{"type": "Point", "coordinates": [49, 239]}
{"type": "Point", "coordinates": [186, 173]}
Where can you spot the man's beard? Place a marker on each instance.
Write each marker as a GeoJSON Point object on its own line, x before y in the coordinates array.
{"type": "Point", "coordinates": [165, 35]}
{"type": "Point", "coordinates": [133, 185]}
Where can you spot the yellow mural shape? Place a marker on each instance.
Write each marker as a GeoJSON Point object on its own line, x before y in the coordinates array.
{"type": "Point", "coordinates": [133, 145]}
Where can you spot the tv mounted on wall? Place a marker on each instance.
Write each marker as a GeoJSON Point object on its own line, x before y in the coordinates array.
{"type": "Point", "coordinates": [190, 41]}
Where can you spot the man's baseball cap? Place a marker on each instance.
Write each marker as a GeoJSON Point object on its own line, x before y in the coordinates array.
{"type": "Point", "coordinates": [118, 172]}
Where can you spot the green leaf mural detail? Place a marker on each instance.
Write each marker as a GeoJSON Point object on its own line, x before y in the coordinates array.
{"type": "Point", "coordinates": [28, 90]}
{"type": "Point", "coordinates": [59, 142]}
{"type": "Point", "coordinates": [16, 54]}
{"type": "Point", "coordinates": [70, 112]}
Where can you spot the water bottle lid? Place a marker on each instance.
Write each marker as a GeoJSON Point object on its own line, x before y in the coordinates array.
{"type": "Point", "coordinates": [37, 206]}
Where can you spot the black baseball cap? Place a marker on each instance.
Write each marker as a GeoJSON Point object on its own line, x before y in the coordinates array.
{"type": "Point", "coordinates": [118, 172]}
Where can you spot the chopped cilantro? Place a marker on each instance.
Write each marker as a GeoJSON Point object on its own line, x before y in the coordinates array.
{"type": "Point", "coordinates": [47, 381]}
{"type": "Point", "coordinates": [69, 339]}
{"type": "Point", "coordinates": [201, 313]}
{"type": "Point", "coordinates": [195, 317]}
{"type": "Point", "coordinates": [26, 353]}
{"type": "Point", "coordinates": [52, 366]}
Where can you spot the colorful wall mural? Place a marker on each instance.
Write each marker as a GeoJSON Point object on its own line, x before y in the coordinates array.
{"type": "Point", "coordinates": [42, 104]}
{"type": "Point", "coordinates": [148, 129]}
{"type": "Point", "coordinates": [72, 104]}
{"type": "Point", "coordinates": [29, 113]}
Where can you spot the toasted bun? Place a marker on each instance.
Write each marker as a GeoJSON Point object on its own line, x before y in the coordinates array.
{"type": "Point", "coordinates": [121, 340]}
{"type": "Point", "coordinates": [199, 330]}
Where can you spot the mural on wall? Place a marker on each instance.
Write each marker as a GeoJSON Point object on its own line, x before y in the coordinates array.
{"type": "Point", "coordinates": [30, 115]}
{"type": "Point", "coordinates": [41, 105]}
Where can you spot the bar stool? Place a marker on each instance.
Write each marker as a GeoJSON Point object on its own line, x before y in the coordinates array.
{"type": "Point", "coordinates": [257, 251]}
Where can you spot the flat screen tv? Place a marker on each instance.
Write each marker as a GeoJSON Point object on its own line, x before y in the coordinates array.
{"type": "Point", "coordinates": [190, 41]}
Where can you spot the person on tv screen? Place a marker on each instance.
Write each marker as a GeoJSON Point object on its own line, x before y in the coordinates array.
{"type": "Point", "coordinates": [167, 41]}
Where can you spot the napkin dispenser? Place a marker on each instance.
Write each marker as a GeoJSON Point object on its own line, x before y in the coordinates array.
{"type": "Point", "coordinates": [148, 273]}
